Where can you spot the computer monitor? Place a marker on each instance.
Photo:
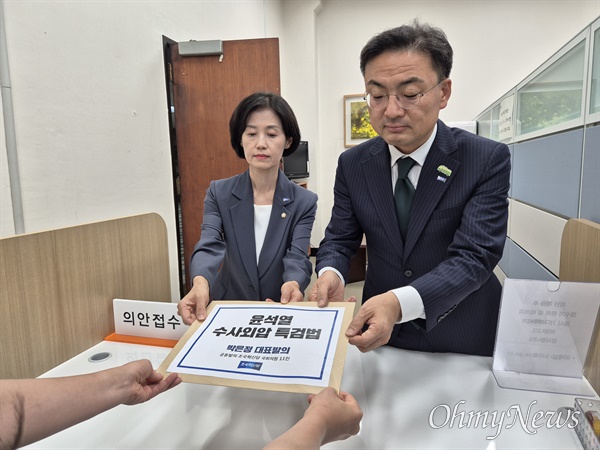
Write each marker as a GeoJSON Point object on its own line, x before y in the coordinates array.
{"type": "Point", "coordinates": [296, 165]}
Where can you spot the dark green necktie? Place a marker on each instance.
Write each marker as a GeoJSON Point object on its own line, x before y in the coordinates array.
{"type": "Point", "coordinates": [404, 193]}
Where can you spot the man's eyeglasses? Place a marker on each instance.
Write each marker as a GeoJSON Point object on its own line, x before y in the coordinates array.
{"type": "Point", "coordinates": [380, 100]}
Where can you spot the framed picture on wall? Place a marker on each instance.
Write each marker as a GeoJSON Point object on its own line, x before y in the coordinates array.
{"type": "Point", "coordinates": [357, 123]}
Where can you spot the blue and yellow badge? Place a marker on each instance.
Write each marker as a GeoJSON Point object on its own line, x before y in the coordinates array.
{"type": "Point", "coordinates": [443, 169]}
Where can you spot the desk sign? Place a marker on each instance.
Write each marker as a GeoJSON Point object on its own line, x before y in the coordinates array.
{"type": "Point", "coordinates": [544, 334]}
{"type": "Point", "coordinates": [157, 320]}
{"type": "Point", "coordinates": [297, 347]}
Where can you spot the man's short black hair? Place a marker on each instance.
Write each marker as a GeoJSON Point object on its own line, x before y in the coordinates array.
{"type": "Point", "coordinates": [415, 37]}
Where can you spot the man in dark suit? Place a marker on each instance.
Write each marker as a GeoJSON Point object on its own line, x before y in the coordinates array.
{"type": "Point", "coordinates": [429, 284]}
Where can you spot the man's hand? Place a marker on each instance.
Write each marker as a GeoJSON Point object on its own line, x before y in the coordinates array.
{"type": "Point", "coordinates": [380, 313]}
{"type": "Point", "coordinates": [327, 288]}
{"type": "Point", "coordinates": [193, 305]}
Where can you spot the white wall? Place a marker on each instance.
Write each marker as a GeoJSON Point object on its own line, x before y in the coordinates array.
{"type": "Point", "coordinates": [89, 90]}
{"type": "Point", "coordinates": [299, 84]}
{"type": "Point", "coordinates": [7, 227]}
{"type": "Point", "coordinates": [90, 104]}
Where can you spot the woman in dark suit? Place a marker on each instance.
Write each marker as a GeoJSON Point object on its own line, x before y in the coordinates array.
{"type": "Point", "coordinates": [257, 225]}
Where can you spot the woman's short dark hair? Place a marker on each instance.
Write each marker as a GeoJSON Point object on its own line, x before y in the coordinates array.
{"type": "Point", "coordinates": [256, 102]}
{"type": "Point", "coordinates": [415, 37]}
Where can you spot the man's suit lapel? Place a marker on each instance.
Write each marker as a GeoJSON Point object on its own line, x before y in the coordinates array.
{"type": "Point", "coordinates": [241, 212]}
{"type": "Point", "coordinates": [377, 172]}
{"type": "Point", "coordinates": [433, 183]}
{"type": "Point", "coordinates": [278, 223]}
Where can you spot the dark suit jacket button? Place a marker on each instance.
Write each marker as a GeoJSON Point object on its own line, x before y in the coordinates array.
{"type": "Point", "coordinates": [408, 273]}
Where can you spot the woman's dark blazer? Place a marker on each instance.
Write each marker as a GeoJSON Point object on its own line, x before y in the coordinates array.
{"type": "Point", "coordinates": [226, 252]}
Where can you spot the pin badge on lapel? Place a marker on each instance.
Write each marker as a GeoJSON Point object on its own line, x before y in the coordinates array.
{"type": "Point", "coordinates": [443, 169]}
{"type": "Point", "coordinates": [283, 215]}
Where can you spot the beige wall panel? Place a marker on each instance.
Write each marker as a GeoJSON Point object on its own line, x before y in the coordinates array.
{"type": "Point", "coordinates": [510, 202]}
{"type": "Point", "coordinates": [500, 274]}
{"type": "Point", "coordinates": [57, 287]}
{"type": "Point", "coordinates": [28, 310]}
{"type": "Point", "coordinates": [580, 261]}
{"type": "Point", "coordinates": [538, 233]}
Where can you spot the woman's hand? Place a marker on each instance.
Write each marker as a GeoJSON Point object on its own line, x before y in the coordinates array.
{"type": "Point", "coordinates": [330, 417]}
{"type": "Point", "coordinates": [193, 305]}
{"type": "Point", "coordinates": [290, 292]}
{"type": "Point", "coordinates": [340, 414]}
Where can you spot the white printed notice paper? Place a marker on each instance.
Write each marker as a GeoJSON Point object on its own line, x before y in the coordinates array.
{"type": "Point", "coordinates": [544, 333]}
{"type": "Point", "coordinates": [296, 347]}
